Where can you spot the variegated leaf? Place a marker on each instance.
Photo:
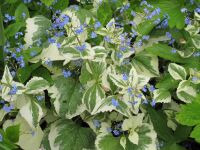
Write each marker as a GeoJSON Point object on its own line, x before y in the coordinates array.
{"type": "Point", "coordinates": [177, 71]}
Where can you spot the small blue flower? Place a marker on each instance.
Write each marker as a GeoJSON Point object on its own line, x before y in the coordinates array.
{"type": "Point", "coordinates": [48, 62]}
{"type": "Point", "coordinates": [197, 10]}
{"type": "Point", "coordinates": [107, 39]}
{"type": "Point", "coordinates": [194, 78]}
{"type": "Point", "coordinates": [79, 30]}
{"type": "Point", "coordinates": [168, 35]}
{"type": "Point", "coordinates": [133, 13]}
{"type": "Point", "coordinates": [173, 50]}
{"type": "Point", "coordinates": [23, 14]}
{"type": "Point", "coordinates": [122, 48]}
{"type": "Point", "coordinates": [130, 89]}
{"type": "Point", "coordinates": [1, 137]}
{"type": "Point", "coordinates": [67, 74]}
{"type": "Point", "coordinates": [151, 88]}
{"type": "Point", "coordinates": [81, 48]}
{"type": "Point", "coordinates": [187, 21]}
{"type": "Point", "coordinates": [157, 21]}
{"type": "Point", "coordinates": [13, 90]}
{"type": "Point", "coordinates": [114, 102]}
{"type": "Point", "coordinates": [58, 45]}
{"type": "Point", "coordinates": [153, 103]}
{"type": "Point", "coordinates": [33, 53]}
{"type": "Point", "coordinates": [116, 132]}
{"type": "Point", "coordinates": [97, 25]}
{"type": "Point", "coordinates": [97, 123]}
{"type": "Point", "coordinates": [139, 95]}
{"type": "Point", "coordinates": [124, 77]}
{"type": "Point", "coordinates": [183, 10]}
{"type": "Point", "coordinates": [51, 40]}
{"type": "Point", "coordinates": [27, 1]}
{"type": "Point", "coordinates": [40, 97]}
{"type": "Point", "coordinates": [119, 55]}
{"type": "Point", "coordinates": [8, 108]}
{"type": "Point", "coordinates": [144, 89]}
{"type": "Point", "coordinates": [93, 35]}
{"type": "Point", "coordinates": [145, 37]}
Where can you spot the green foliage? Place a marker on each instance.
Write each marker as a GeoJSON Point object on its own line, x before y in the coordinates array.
{"type": "Point", "coordinates": [99, 74]}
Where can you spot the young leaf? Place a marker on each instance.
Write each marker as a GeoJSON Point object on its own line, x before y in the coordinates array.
{"type": "Point", "coordinates": [12, 133]}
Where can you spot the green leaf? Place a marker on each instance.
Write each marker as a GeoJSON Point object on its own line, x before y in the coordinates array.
{"type": "Point", "coordinates": [146, 64]}
{"type": "Point", "coordinates": [182, 133]}
{"type": "Point", "coordinates": [167, 83]}
{"type": "Point", "coordinates": [108, 142]}
{"type": "Point", "coordinates": [177, 72]}
{"type": "Point", "coordinates": [66, 135]}
{"type": "Point", "coordinates": [196, 133]}
{"type": "Point", "coordinates": [31, 112]}
{"type": "Point", "coordinates": [164, 52]}
{"type": "Point", "coordinates": [161, 128]}
{"type": "Point", "coordinates": [2, 35]}
{"type": "Point", "coordinates": [36, 85]}
{"type": "Point", "coordinates": [13, 28]}
{"type": "Point", "coordinates": [173, 146]}
{"type": "Point", "coordinates": [12, 133]}
{"type": "Point", "coordinates": [47, 2]}
{"type": "Point", "coordinates": [20, 11]}
{"type": "Point", "coordinates": [61, 4]}
{"type": "Point", "coordinates": [174, 12]}
{"type": "Point", "coordinates": [44, 73]}
{"type": "Point", "coordinates": [190, 113]}
{"type": "Point", "coordinates": [67, 96]}
{"type": "Point", "coordinates": [186, 91]}
{"type": "Point", "coordinates": [104, 13]}
{"type": "Point", "coordinates": [162, 96]}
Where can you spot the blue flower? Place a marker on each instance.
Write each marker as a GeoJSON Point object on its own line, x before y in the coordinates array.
{"type": "Point", "coordinates": [197, 10]}
{"type": "Point", "coordinates": [40, 97]}
{"type": "Point", "coordinates": [139, 95]}
{"type": "Point", "coordinates": [187, 21]}
{"type": "Point", "coordinates": [124, 76]}
{"type": "Point", "coordinates": [144, 89]}
{"type": "Point", "coordinates": [51, 40]}
{"type": "Point", "coordinates": [133, 13]}
{"type": "Point", "coordinates": [151, 88]}
{"type": "Point", "coordinates": [114, 102]}
{"type": "Point", "coordinates": [96, 123]}
{"type": "Point", "coordinates": [8, 108]}
{"type": "Point", "coordinates": [1, 137]}
{"type": "Point", "coordinates": [107, 39]}
{"type": "Point", "coordinates": [81, 48]}
{"type": "Point", "coordinates": [157, 21]}
{"type": "Point", "coordinates": [145, 37]}
{"type": "Point", "coordinates": [153, 103]}
{"type": "Point", "coordinates": [67, 74]}
{"type": "Point", "coordinates": [58, 45]}
{"type": "Point", "coordinates": [173, 50]}
{"type": "Point", "coordinates": [183, 10]}
{"type": "Point", "coordinates": [48, 62]}
{"type": "Point", "coordinates": [79, 30]}
{"type": "Point", "coordinates": [93, 35]}
{"type": "Point", "coordinates": [13, 90]}
{"type": "Point", "coordinates": [168, 35]}
{"type": "Point", "coordinates": [116, 132]}
{"type": "Point", "coordinates": [97, 25]}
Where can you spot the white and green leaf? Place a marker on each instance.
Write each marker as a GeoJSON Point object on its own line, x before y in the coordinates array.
{"type": "Point", "coordinates": [177, 72]}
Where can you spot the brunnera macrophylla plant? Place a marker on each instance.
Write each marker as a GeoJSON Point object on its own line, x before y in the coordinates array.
{"type": "Point", "coordinates": [99, 74]}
